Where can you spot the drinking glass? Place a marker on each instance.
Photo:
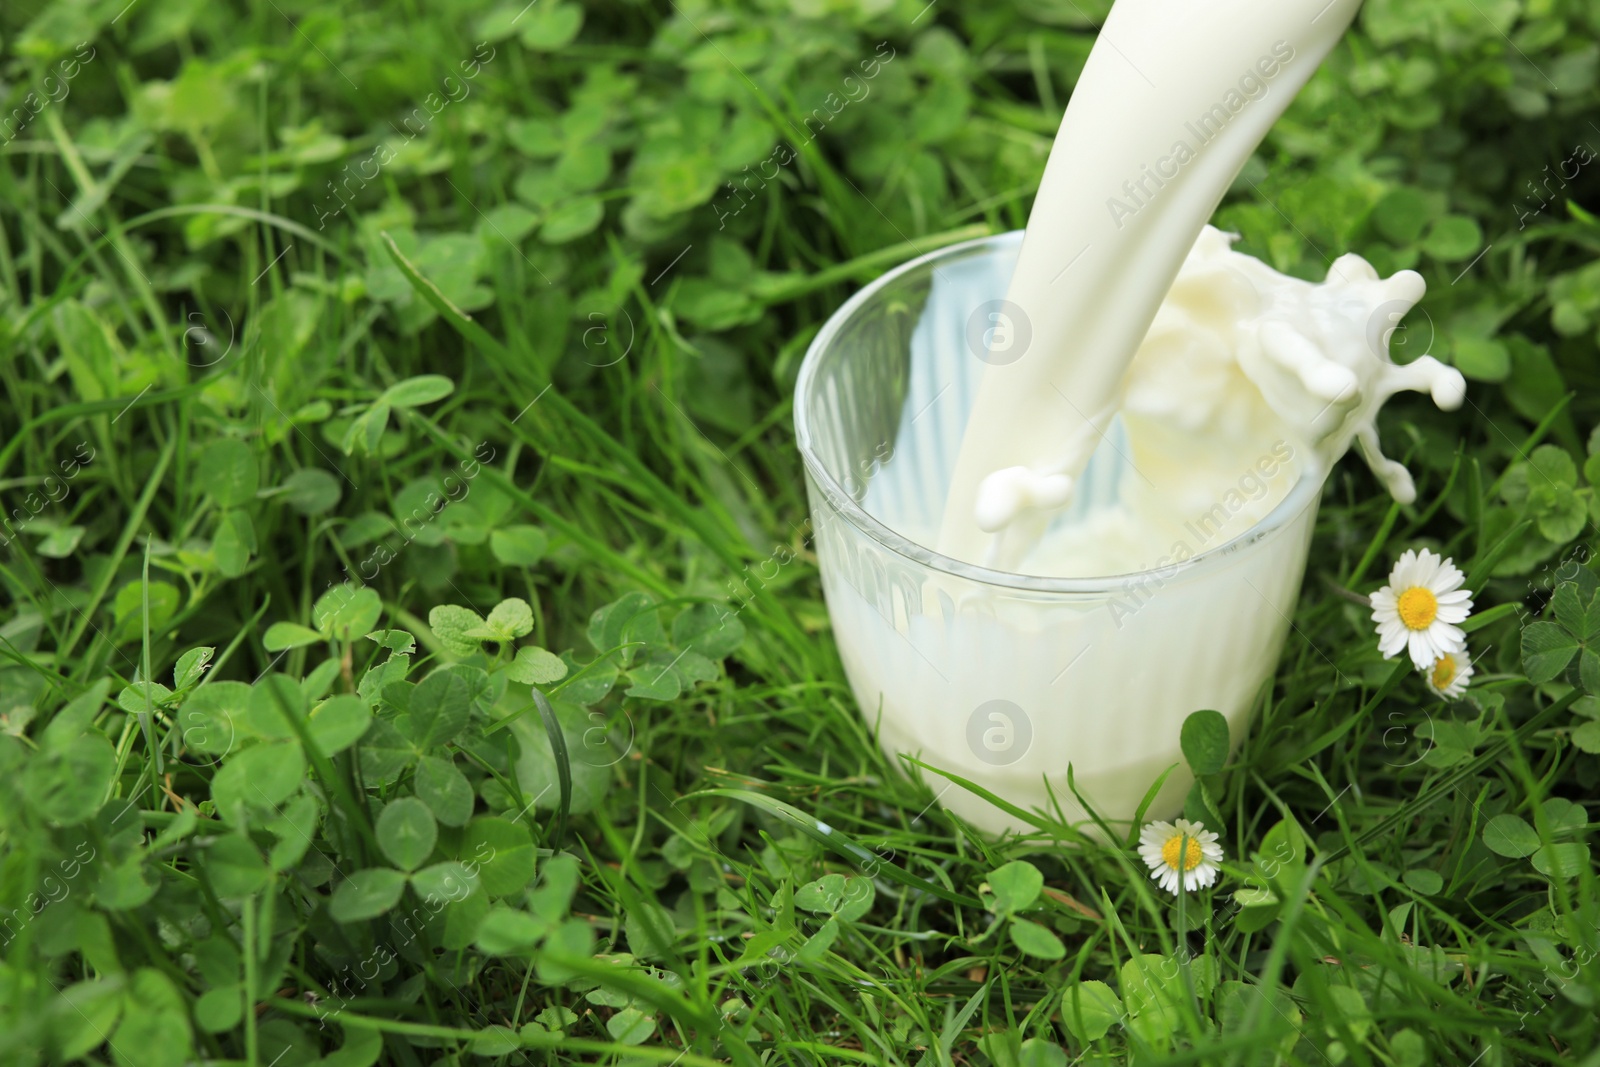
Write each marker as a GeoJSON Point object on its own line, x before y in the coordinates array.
{"type": "Point", "coordinates": [1008, 679]}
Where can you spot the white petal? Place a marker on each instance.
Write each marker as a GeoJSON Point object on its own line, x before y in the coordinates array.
{"type": "Point", "coordinates": [1407, 558]}
{"type": "Point", "coordinates": [1424, 653]}
{"type": "Point", "coordinates": [1448, 577]}
{"type": "Point", "coordinates": [1393, 628]}
{"type": "Point", "coordinates": [1421, 570]}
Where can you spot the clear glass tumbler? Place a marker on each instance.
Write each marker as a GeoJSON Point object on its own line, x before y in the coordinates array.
{"type": "Point", "coordinates": [1007, 679]}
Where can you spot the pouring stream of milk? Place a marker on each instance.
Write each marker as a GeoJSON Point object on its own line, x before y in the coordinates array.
{"type": "Point", "coordinates": [1125, 302]}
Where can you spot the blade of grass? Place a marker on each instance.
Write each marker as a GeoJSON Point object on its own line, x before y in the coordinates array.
{"type": "Point", "coordinates": [824, 834]}
{"type": "Point", "coordinates": [558, 751]}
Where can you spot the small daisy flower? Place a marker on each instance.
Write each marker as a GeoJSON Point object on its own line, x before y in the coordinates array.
{"type": "Point", "coordinates": [1420, 609]}
{"type": "Point", "coordinates": [1449, 674]}
{"type": "Point", "coordinates": [1184, 849]}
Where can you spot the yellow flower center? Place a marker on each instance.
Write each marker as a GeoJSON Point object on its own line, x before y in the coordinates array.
{"type": "Point", "coordinates": [1418, 607]}
{"type": "Point", "coordinates": [1191, 854]}
{"type": "Point", "coordinates": [1444, 672]}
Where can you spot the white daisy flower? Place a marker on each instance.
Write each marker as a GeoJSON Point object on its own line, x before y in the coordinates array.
{"type": "Point", "coordinates": [1183, 848]}
{"type": "Point", "coordinates": [1449, 674]}
{"type": "Point", "coordinates": [1420, 609]}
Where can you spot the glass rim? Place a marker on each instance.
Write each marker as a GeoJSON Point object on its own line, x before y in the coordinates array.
{"type": "Point", "coordinates": [1303, 494]}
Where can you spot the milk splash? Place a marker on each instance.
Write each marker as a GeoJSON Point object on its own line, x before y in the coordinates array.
{"type": "Point", "coordinates": [1247, 380]}
{"type": "Point", "coordinates": [1142, 321]}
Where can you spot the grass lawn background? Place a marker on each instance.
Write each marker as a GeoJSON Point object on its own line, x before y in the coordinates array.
{"type": "Point", "coordinates": [366, 365]}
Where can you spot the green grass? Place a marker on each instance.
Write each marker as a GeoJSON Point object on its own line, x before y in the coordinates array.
{"type": "Point", "coordinates": [230, 391]}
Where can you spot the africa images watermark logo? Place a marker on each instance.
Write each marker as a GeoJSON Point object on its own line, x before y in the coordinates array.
{"type": "Point", "coordinates": [1254, 84]}
{"type": "Point", "coordinates": [999, 332]}
{"type": "Point", "coordinates": [999, 732]}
